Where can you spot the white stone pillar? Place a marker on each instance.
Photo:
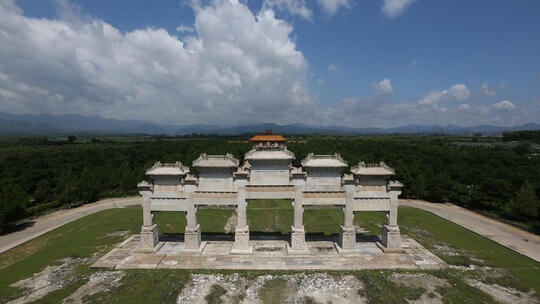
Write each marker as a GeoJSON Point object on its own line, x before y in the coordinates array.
{"type": "Point", "coordinates": [298, 234]}
{"type": "Point", "coordinates": [191, 216]}
{"type": "Point", "coordinates": [391, 236]}
{"type": "Point", "coordinates": [241, 212]}
{"type": "Point", "coordinates": [148, 217]}
{"type": "Point", "coordinates": [149, 235]}
{"type": "Point", "coordinates": [241, 234]}
{"type": "Point", "coordinates": [192, 234]}
{"type": "Point", "coordinates": [298, 220]}
{"type": "Point", "coordinates": [347, 232]}
{"type": "Point", "coordinates": [392, 214]}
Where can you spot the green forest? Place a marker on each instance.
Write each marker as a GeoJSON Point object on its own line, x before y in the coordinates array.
{"type": "Point", "coordinates": [491, 175]}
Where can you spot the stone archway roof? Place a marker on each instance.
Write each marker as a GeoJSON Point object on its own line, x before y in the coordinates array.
{"type": "Point", "coordinates": [215, 161]}
{"type": "Point", "coordinates": [273, 153]}
{"type": "Point", "coordinates": [380, 169]}
{"type": "Point", "coordinates": [176, 168]}
{"type": "Point", "coordinates": [324, 161]}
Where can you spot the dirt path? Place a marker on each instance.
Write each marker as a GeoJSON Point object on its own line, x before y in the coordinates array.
{"type": "Point", "coordinates": [59, 218]}
{"type": "Point", "coordinates": [514, 238]}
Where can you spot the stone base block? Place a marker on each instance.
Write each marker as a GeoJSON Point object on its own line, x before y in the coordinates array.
{"type": "Point", "coordinates": [150, 250]}
{"type": "Point", "coordinates": [298, 240]}
{"type": "Point", "coordinates": [149, 239]}
{"type": "Point", "coordinates": [192, 237]}
{"type": "Point", "coordinates": [196, 250]}
{"type": "Point", "coordinates": [391, 237]}
{"type": "Point", "coordinates": [347, 238]}
{"type": "Point", "coordinates": [340, 250]}
{"type": "Point", "coordinates": [292, 251]}
{"type": "Point", "coordinates": [241, 241]}
{"type": "Point", "coordinates": [389, 250]}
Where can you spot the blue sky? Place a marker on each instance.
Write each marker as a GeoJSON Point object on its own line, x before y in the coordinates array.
{"type": "Point", "coordinates": [322, 62]}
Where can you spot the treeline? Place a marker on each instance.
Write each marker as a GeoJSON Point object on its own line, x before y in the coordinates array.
{"type": "Point", "coordinates": [500, 181]}
{"type": "Point", "coordinates": [522, 135]}
{"type": "Point", "coordinates": [38, 175]}
{"type": "Point", "coordinates": [503, 182]}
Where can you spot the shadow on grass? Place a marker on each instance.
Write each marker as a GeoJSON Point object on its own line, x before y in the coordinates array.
{"type": "Point", "coordinates": [535, 228]}
{"type": "Point", "coordinates": [363, 238]}
{"type": "Point", "coordinates": [267, 236]}
{"type": "Point", "coordinates": [171, 237]}
{"type": "Point", "coordinates": [16, 227]}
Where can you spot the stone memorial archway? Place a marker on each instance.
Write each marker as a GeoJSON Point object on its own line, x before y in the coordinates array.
{"type": "Point", "coordinates": [268, 173]}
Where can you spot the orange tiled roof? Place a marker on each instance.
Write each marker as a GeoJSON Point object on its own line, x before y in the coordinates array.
{"type": "Point", "coordinates": [268, 138]}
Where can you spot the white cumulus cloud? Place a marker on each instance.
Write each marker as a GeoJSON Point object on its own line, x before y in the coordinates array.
{"type": "Point", "coordinates": [384, 87]}
{"type": "Point", "coordinates": [183, 28]}
{"type": "Point", "coordinates": [293, 7]}
{"type": "Point", "coordinates": [457, 92]}
{"type": "Point", "coordinates": [486, 90]}
{"type": "Point", "coordinates": [504, 105]}
{"type": "Point", "coordinates": [331, 7]}
{"type": "Point", "coordinates": [237, 66]}
{"type": "Point", "coordinates": [394, 8]}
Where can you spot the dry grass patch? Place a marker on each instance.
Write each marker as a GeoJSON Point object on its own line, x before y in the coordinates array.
{"type": "Point", "coordinates": [276, 291]}
{"type": "Point", "coordinates": [22, 251]}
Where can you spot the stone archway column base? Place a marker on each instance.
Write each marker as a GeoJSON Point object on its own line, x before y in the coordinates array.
{"type": "Point", "coordinates": [241, 241]}
{"type": "Point", "coordinates": [391, 238]}
{"type": "Point", "coordinates": [192, 237]}
{"type": "Point", "coordinates": [347, 237]}
{"type": "Point", "coordinates": [298, 241]}
{"type": "Point", "coordinates": [149, 239]}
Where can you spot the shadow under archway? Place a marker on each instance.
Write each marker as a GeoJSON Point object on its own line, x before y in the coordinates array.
{"type": "Point", "coordinates": [267, 236]}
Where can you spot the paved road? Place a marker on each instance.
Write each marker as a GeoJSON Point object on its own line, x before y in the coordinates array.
{"type": "Point", "coordinates": [56, 219]}
{"type": "Point", "coordinates": [516, 239]}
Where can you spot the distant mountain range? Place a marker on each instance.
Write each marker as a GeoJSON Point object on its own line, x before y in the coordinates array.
{"type": "Point", "coordinates": [73, 123]}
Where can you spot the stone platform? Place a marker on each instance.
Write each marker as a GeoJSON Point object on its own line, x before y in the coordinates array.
{"type": "Point", "coordinates": [270, 255]}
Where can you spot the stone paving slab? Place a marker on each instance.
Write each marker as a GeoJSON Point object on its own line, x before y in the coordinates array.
{"type": "Point", "coordinates": [270, 255]}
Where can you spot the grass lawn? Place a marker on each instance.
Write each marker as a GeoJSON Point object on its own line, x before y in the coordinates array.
{"type": "Point", "coordinates": [97, 234]}
{"type": "Point", "coordinates": [270, 216]}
